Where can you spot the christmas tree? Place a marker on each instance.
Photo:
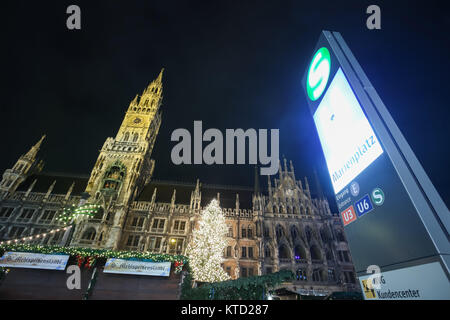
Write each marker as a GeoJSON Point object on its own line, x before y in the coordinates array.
{"type": "Point", "coordinates": [207, 245]}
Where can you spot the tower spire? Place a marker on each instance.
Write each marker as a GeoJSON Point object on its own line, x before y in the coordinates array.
{"type": "Point", "coordinates": [31, 154]}
{"type": "Point", "coordinates": [159, 79]}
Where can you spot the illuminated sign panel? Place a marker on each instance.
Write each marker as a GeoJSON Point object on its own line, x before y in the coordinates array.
{"type": "Point", "coordinates": [318, 73]}
{"type": "Point", "coordinates": [392, 215]}
{"type": "Point", "coordinates": [348, 140]}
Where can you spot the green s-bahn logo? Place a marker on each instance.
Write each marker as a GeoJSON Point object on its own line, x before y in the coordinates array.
{"type": "Point", "coordinates": [318, 73]}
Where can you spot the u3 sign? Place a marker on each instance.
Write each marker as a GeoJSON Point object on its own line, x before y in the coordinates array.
{"type": "Point", "coordinates": [348, 215]}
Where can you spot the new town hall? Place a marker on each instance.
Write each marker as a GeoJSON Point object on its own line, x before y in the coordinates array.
{"type": "Point", "coordinates": [281, 228]}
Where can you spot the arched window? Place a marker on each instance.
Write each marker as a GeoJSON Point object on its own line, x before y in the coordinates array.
{"type": "Point", "coordinates": [299, 253]}
{"type": "Point", "coordinates": [294, 232]}
{"type": "Point", "coordinates": [325, 234]}
{"type": "Point", "coordinates": [283, 252]}
{"type": "Point", "coordinates": [308, 232]}
{"type": "Point", "coordinates": [267, 252]}
{"type": "Point", "coordinates": [244, 232]}
{"type": "Point", "coordinates": [318, 275]}
{"type": "Point", "coordinates": [301, 275]}
{"type": "Point", "coordinates": [229, 251]}
{"type": "Point", "coordinates": [135, 137]}
{"type": "Point", "coordinates": [126, 136]}
{"type": "Point", "coordinates": [230, 231]}
{"type": "Point", "coordinates": [315, 253]}
{"type": "Point", "coordinates": [340, 236]}
{"type": "Point", "coordinates": [249, 232]}
{"type": "Point", "coordinates": [280, 232]}
{"type": "Point", "coordinates": [329, 255]}
{"type": "Point", "coordinates": [266, 232]}
{"type": "Point", "coordinates": [89, 234]}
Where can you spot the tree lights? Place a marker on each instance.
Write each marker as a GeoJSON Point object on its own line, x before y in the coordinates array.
{"type": "Point", "coordinates": [206, 247]}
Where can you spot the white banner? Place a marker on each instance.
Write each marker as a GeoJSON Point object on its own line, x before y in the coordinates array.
{"type": "Point", "coordinates": [137, 267]}
{"type": "Point", "coordinates": [34, 260]}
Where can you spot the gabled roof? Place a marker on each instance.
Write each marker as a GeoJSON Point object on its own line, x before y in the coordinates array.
{"type": "Point", "coordinates": [62, 185]}
{"type": "Point", "coordinates": [165, 189]}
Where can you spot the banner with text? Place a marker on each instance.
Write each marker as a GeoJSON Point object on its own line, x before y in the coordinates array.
{"type": "Point", "coordinates": [34, 260]}
{"type": "Point", "coordinates": [137, 267]}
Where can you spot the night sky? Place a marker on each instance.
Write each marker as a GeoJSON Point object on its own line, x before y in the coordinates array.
{"type": "Point", "coordinates": [231, 64]}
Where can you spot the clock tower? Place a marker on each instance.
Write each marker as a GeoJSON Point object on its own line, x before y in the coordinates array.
{"type": "Point", "coordinates": [123, 166]}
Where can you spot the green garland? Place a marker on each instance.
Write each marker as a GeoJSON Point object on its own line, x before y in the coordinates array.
{"type": "Point", "coordinates": [250, 288]}
{"type": "Point", "coordinates": [178, 260]}
{"type": "Point", "coordinates": [71, 212]}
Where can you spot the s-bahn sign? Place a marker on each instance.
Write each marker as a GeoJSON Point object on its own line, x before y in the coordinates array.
{"type": "Point", "coordinates": [392, 214]}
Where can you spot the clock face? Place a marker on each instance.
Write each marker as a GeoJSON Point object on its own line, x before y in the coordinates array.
{"type": "Point", "coordinates": [137, 120]}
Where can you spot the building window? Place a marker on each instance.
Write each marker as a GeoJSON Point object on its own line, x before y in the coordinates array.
{"type": "Point", "coordinates": [155, 244]}
{"type": "Point", "coordinates": [158, 225]}
{"type": "Point", "coordinates": [135, 137]}
{"type": "Point", "coordinates": [250, 252]}
{"type": "Point", "coordinates": [317, 275]}
{"type": "Point", "coordinates": [26, 214]}
{"type": "Point", "coordinates": [250, 272]}
{"type": "Point", "coordinates": [331, 275]}
{"type": "Point", "coordinates": [268, 270]}
{"type": "Point", "coordinates": [57, 238]}
{"type": "Point", "coordinates": [267, 252]}
{"type": "Point", "coordinates": [176, 245]}
{"type": "Point", "coordinates": [133, 240]}
{"type": "Point", "coordinates": [266, 232]}
{"type": "Point", "coordinates": [89, 234]}
{"type": "Point", "coordinates": [48, 216]}
{"type": "Point", "coordinates": [343, 256]}
{"type": "Point", "coordinates": [229, 251]}
{"type": "Point", "coordinates": [244, 232]}
{"type": "Point", "coordinates": [179, 226]}
{"type": "Point", "coordinates": [279, 232]}
{"type": "Point", "coordinates": [230, 231]}
{"type": "Point", "coordinates": [244, 272]}
{"type": "Point", "coordinates": [5, 212]}
{"type": "Point", "coordinates": [301, 275]}
{"type": "Point", "coordinates": [249, 233]}
{"type": "Point", "coordinates": [340, 236]}
{"type": "Point", "coordinates": [244, 252]}
{"type": "Point", "coordinates": [16, 232]}
{"type": "Point", "coordinates": [137, 222]}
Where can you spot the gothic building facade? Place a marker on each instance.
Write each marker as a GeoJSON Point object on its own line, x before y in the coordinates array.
{"type": "Point", "coordinates": [284, 227]}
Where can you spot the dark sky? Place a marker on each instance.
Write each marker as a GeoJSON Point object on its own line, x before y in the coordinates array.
{"type": "Point", "coordinates": [231, 64]}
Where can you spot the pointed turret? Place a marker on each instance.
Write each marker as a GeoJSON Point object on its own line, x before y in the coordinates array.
{"type": "Point", "coordinates": [174, 195]}
{"type": "Point", "coordinates": [159, 79]}
{"type": "Point", "coordinates": [154, 195]}
{"type": "Point", "coordinates": [24, 167]}
{"type": "Point", "coordinates": [292, 169]}
{"type": "Point", "coordinates": [69, 192]}
{"type": "Point", "coordinates": [31, 154]}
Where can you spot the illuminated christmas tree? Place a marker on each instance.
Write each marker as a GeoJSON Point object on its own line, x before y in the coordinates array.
{"type": "Point", "coordinates": [207, 245]}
